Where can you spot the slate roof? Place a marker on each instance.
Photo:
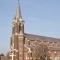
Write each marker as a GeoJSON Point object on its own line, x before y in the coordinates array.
{"type": "Point", "coordinates": [41, 38]}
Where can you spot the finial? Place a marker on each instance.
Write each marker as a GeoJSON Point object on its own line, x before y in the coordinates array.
{"type": "Point", "coordinates": [18, 1]}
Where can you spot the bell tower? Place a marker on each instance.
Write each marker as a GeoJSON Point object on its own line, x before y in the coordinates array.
{"type": "Point", "coordinates": [17, 39]}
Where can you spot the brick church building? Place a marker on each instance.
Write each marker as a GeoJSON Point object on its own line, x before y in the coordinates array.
{"type": "Point", "coordinates": [22, 44]}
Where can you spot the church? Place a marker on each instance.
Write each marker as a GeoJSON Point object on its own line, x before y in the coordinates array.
{"type": "Point", "coordinates": [22, 44]}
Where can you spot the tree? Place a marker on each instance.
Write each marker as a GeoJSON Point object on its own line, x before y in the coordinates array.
{"type": "Point", "coordinates": [41, 52]}
{"type": "Point", "coordinates": [1, 54]}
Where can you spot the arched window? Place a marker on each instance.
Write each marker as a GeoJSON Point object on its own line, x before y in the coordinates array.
{"type": "Point", "coordinates": [27, 56]}
{"type": "Point", "coordinates": [19, 27]}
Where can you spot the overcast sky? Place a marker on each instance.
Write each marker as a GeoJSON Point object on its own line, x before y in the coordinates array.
{"type": "Point", "coordinates": [42, 17]}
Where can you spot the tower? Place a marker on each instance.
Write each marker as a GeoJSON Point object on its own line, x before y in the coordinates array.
{"type": "Point", "coordinates": [17, 39]}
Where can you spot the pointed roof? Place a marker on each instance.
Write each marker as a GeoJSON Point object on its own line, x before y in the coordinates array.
{"type": "Point", "coordinates": [18, 11]}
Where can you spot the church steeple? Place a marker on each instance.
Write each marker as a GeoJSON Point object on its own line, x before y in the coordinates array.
{"type": "Point", "coordinates": [18, 12]}
{"type": "Point", "coordinates": [18, 22]}
{"type": "Point", "coordinates": [17, 39]}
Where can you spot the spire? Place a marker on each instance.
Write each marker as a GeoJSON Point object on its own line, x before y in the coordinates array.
{"type": "Point", "coordinates": [18, 11]}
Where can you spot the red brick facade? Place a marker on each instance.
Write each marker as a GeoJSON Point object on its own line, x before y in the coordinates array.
{"type": "Point", "coordinates": [22, 44]}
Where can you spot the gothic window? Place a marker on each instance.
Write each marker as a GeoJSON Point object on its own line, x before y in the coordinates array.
{"type": "Point", "coordinates": [19, 26]}
{"type": "Point", "coordinates": [28, 42]}
{"type": "Point", "coordinates": [27, 56]}
{"type": "Point", "coordinates": [15, 27]}
{"type": "Point", "coordinates": [31, 54]}
{"type": "Point", "coordinates": [20, 55]}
